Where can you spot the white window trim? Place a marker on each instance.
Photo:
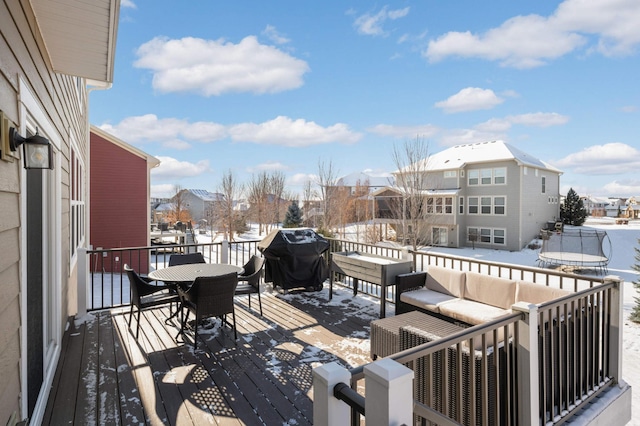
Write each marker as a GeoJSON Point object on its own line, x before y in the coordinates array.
{"type": "Point", "coordinates": [32, 117]}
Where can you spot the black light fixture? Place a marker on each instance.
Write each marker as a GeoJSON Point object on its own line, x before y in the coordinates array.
{"type": "Point", "coordinates": [37, 152]}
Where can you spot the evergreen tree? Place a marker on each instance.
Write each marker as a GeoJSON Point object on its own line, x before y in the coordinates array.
{"type": "Point", "coordinates": [635, 312]}
{"type": "Point", "coordinates": [572, 211]}
{"type": "Point", "coordinates": [293, 218]}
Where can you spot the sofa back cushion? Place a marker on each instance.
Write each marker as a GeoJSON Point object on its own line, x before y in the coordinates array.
{"type": "Point", "coordinates": [537, 293]}
{"type": "Point", "coordinates": [445, 280]}
{"type": "Point", "coordinates": [494, 291]}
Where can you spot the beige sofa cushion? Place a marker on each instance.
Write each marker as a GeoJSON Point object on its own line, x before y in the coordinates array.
{"type": "Point", "coordinates": [494, 291]}
{"type": "Point", "coordinates": [471, 312]}
{"type": "Point", "coordinates": [536, 293]}
{"type": "Point", "coordinates": [445, 280]}
{"type": "Point", "coordinates": [426, 299]}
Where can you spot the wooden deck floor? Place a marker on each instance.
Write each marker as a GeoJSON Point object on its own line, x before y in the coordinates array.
{"type": "Point", "coordinates": [106, 376]}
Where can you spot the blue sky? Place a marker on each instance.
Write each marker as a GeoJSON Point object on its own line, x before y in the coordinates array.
{"type": "Point", "coordinates": [248, 86]}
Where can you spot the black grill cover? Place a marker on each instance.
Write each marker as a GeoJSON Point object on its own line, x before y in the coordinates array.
{"type": "Point", "coordinates": [294, 258]}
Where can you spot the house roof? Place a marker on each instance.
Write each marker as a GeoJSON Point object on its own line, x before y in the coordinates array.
{"type": "Point", "coordinates": [205, 195]}
{"type": "Point", "coordinates": [460, 156]}
{"type": "Point", "coordinates": [79, 36]}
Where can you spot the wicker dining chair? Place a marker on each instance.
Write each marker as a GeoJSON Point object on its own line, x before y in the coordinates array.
{"type": "Point", "coordinates": [249, 280]}
{"type": "Point", "coordinates": [209, 297]}
{"type": "Point", "coordinates": [145, 295]}
{"type": "Point", "coordinates": [186, 259]}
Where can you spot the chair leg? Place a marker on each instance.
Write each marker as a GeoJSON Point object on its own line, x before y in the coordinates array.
{"type": "Point", "coordinates": [130, 315]}
{"type": "Point", "coordinates": [235, 332]}
{"type": "Point", "coordinates": [260, 303]}
{"type": "Point", "coordinates": [138, 323]}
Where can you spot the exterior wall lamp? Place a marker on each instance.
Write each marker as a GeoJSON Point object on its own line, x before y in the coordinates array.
{"type": "Point", "coordinates": [37, 151]}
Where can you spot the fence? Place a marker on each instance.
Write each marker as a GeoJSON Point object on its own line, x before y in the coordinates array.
{"type": "Point", "coordinates": [560, 356]}
{"type": "Point", "coordinates": [102, 282]}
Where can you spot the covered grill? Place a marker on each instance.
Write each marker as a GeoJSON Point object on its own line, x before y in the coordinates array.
{"type": "Point", "coordinates": [294, 258]}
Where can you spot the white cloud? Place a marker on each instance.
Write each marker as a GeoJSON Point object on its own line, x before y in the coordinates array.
{"type": "Point", "coordinates": [128, 3]}
{"type": "Point", "coordinates": [626, 188]}
{"type": "Point", "coordinates": [164, 190]}
{"type": "Point", "coordinates": [629, 108]}
{"type": "Point", "coordinates": [368, 24]}
{"type": "Point", "coordinates": [470, 99]}
{"type": "Point", "coordinates": [172, 131]}
{"type": "Point", "coordinates": [612, 158]}
{"type": "Point", "coordinates": [539, 119]}
{"type": "Point", "coordinates": [172, 169]}
{"type": "Point", "coordinates": [272, 34]}
{"type": "Point", "coordinates": [533, 40]}
{"type": "Point", "coordinates": [215, 67]}
{"type": "Point", "coordinates": [268, 166]}
{"type": "Point", "coordinates": [427, 130]}
{"type": "Point", "coordinates": [293, 133]}
{"type": "Point", "coordinates": [469, 136]}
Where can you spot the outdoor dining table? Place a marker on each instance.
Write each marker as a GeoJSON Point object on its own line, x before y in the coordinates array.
{"type": "Point", "coordinates": [188, 273]}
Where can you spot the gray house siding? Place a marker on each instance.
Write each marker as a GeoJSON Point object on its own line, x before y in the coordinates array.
{"type": "Point", "coordinates": [31, 95]}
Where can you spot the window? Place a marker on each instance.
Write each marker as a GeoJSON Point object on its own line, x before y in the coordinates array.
{"type": "Point", "coordinates": [450, 174]}
{"type": "Point", "coordinates": [487, 235]}
{"type": "Point", "coordinates": [473, 177]}
{"type": "Point", "coordinates": [439, 205]}
{"type": "Point", "coordinates": [500, 176]}
{"type": "Point", "coordinates": [473, 205]}
{"type": "Point", "coordinates": [499, 205]}
{"type": "Point", "coordinates": [77, 203]}
{"type": "Point", "coordinates": [448, 205]}
{"type": "Point", "coordinates": [485, 205]}
{"type": "Point", "coordinates": [461, 208]}
{"type": "Point", "coordinates": [430, 205]}
{"type": "Point", "coordinates": [544, 184]}
{"type": "Point", "coordinates": [486, 176]}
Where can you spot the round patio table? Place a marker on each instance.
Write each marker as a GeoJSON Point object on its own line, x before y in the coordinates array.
{"type": "Point", "coordinates": [188, 273]}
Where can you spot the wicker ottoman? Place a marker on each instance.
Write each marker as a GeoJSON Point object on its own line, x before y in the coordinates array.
{"type": "Point", "coordinates": [385, 332]}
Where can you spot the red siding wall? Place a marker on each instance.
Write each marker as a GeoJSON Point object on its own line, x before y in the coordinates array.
{"type": "Point", "coordinates": [119, 203]}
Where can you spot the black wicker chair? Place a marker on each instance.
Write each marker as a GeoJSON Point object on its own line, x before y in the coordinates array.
{"type": "Point", "coordinates": [145, 295]}
{"type": "Point", "coordinates": [185, 259]}
{"type": "Point", "coordinates": [209, 297]}
{"type": "Point", "coordinates": [249, 280]}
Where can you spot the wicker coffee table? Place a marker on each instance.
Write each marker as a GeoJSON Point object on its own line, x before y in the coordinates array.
{"type": "Point", "coordinates": [385, 332]}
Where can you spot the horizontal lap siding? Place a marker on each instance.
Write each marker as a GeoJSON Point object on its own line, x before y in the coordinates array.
{"type": "Point", "coordinates": [22, 60]}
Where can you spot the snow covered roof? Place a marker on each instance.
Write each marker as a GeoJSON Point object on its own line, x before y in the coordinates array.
{"type": "Point", "coordinates": [460, 156]}
{"type": "Point", "coordinates": [206, 195]}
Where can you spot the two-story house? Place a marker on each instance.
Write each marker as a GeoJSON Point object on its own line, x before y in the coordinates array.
{"type": "Point", "coordinates": [488, 194]}
{"type": "Point", "coordinates": [52, 54]}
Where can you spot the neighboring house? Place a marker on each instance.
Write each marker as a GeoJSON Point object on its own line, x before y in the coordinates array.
{"type": "Point", "coordinates": [363, 179]}
{"type": "Point", "coordinates": [200, 203]}
{"type": "Point", "coordinates": [49, 62]}
{"type": "Point", "coordinates": [615, 207]}
{"type": "Point", "coordinates": [632, 210]}
{"type": "Point", "coordinates": [119, 193]}
{"type": "Point", "coordinates": [487, 194]}
{"type": "Point", "coordinates": [596, 206]}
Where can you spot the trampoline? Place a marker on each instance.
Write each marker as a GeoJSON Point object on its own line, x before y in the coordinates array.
{"type": "Point", "coordinates": [577, 248]}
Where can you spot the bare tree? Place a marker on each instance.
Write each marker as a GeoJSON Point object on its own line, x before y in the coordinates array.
{"type": "Point", "coordinates": [179, 211]}
{"type": "Point", "coordinates": [276, 188]}
{"type": "Point", "coordinates": [257, 195]}
{"type": "Point", "coordinates": [327, 178]}
{"type": "Point", "coordinates": [231, 190]}
{"type": "Point", "coordinates": [309, 195]}
{"type": "Point", "coordinates": [412, 181]}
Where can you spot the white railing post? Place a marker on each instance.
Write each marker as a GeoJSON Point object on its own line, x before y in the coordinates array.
{"type": "Point", "coordinates": [327, 409]}
{"type": "Point", "coordinates": [615, 330]}
{"type": "Point", "coordinates": [224, 254]}
{"type": "Point", "coordinates": [528, 365]}
{"type": "Point", "coordinates": [388, 393]}
{"type": "Point", "coordinates": [82, 281]}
